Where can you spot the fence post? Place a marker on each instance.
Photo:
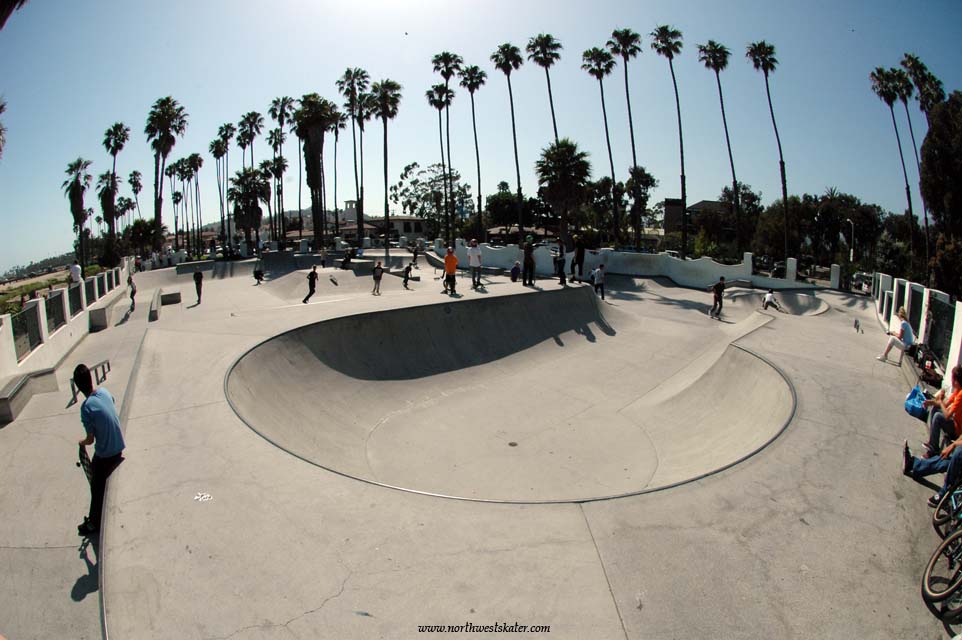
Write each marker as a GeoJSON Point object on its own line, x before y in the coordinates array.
{"type": "Point", "coordinates": [37, 307]}
{"type": "Point", "coordinates": [923, 324]}
{"type": "Point", "coordinates": [791, 269]}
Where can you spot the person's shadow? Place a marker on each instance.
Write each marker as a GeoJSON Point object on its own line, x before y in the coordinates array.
{"type": "Point", "coordinates": [196, 304]}
{"type": "Point", "coordinates": [89, 583]}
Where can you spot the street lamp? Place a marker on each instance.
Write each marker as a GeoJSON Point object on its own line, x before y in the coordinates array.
{"type": "Point", "coordinates": [851, 249]}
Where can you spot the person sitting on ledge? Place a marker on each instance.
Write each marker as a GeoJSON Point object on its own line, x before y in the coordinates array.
{"type": "Point", "coordinates": [904, 339]}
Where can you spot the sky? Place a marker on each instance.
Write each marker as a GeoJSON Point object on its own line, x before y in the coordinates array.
{"type": "Point", "coordinates": [69, 70]}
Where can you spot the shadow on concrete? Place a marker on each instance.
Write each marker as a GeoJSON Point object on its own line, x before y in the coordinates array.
{"type": "Point", "coordinates": [89, 583]}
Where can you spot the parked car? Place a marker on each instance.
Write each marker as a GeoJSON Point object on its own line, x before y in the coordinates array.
{"type": "Point", "coordinates": [779, 270]}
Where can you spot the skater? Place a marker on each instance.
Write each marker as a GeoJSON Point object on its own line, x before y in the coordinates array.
{"type": "Point", "coordinates": [718, 289]}
{"type": "Point", "coordinates": [378, 272]}
{"type": "Point", "coordinates": [598, 278]}
{"type": "Point", "coordinates": [133, 291]}
{"type": "Point", "coordinates": [311, 284]}
{"type": "Point", "coordinates": [904, 339]}
{"type": "Point", "coordinates": [98, 414]}
{"type": "Point", "coordinates": [579, 258]}
{"type": "Point", "coordinates": [515, 271]}
{"type": "Point", "coordinates": [450, 271]}
{"type": "Point", "coordinates": [323, 258]}
{"type": "Point", "coordinates": [770, 301]}
{"type": "Point", "coordinates": [198, 282]}
{"type": "Point", "coordinates": [527, 274]}
{"type": "Point", "coordinates": [559, 262]}
{"type": "Point", "coordinates": [407, 274]}
{"type": "Point", "coordinates": [474, 261]}
{"type": "Point", "coordinates": [415, 260]}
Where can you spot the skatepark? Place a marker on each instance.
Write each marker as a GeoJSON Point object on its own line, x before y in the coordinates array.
{"type": "Point", "coordinates": [361, 466]}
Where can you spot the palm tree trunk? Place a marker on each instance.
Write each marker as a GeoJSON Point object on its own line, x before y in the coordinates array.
{"type": "Point", "coordinates": [337, 223]}
{"type": "Point", "coordinates": [731, 161]}
{"type": "Point", "coordinates": [781, 162]}
{"type": "Point", "coordinates": [251, 131]}
{"type": "Point", "coordinates": [323, 201]}
{"type": "Point", "coordinates": [611, 164]}
{"type": "Point", "coordinates": [925, 209]}
{"type": "Point", "coordinates": [631, 124]}
{"type": "Point", "coordinates": [357, 188]}
{"type": "Point", "coordinates": [554, 123]}
{"type": "Point", "coordinates": [517, 166]}
{"type": "Point", "coordinates": [200, 217]}
{"type": "Point", "coordinates": [387, 219]}
{"type": "Point", "coordinates": [681, 147]}
{"type": "Point", "coordinates": [300, 182]}
{"type": "Point", "coordinates": [477, 158]}
{"type": "Point", "coordinates": [444, 187]}
{"type": "Point", "coordinates": [908, 192]}
{"type": "Point", "coordinates": [360, 204]}
{"type": "Point", "coordinates": [230, 235]}
{"type": "Point", "coordinates": [447, 125]}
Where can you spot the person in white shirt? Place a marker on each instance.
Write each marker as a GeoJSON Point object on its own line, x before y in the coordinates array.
{"type": "Point", "coordinates": [904, 339]}
{"type": "Point", "coordinates": [75, 272]}
{"type": "Point", "coordinates": [770, 301]}
{"type": "Point", "coordinates": [474, 261]}
{"type": "Point", "coordinates": [598, 278]}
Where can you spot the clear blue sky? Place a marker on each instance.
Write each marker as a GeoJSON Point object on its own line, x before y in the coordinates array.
{"type": "Point", "coordinates": [68, 70]}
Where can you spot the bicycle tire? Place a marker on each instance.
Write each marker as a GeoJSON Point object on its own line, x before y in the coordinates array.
{"type": "Point", "coordinates": [936, 587]}
{"type": "Point", "coordinates": [946, 517]}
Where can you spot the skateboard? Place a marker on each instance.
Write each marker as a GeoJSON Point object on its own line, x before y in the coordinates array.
{"type": "Point", "coordinates": [83, 461]}
{"type": "Point", "coordinates": [334, 280]}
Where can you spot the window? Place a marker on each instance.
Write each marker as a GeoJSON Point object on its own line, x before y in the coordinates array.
{"type": "Point", "coordinates": [417, 227]}
{"type": "Point", "coordinates": [407, 227]}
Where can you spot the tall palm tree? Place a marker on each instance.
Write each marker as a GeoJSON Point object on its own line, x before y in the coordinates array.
{"type": "Point", "coordinates": [544, 50]}
{"type": "Point", "coordinates": [226, 133]}
{"type": "Point", "coordinates": [715, 57]}
{"type": "Point", "coordinates": [253, 123]}
{"type": "Point", "coordinates": [507, 58]}
{"type": "Point", "coordinates": [627, 44]}
{"type": "Point", "coordinates": [195, 162]}
{"type": "Point", "coordinates": [338, 122]}
{"type": "Point", "coordinates": [107, 193]}
{"type": "Point", "coordinates": [666, 42]}
{"type": "Point", "coordinates": [448, 64]}
{"type": "Point", "coordinates": [275, 138]}
{"type": "Point", "coordinates": [245, 191]}
{"type": "Point", "coordinates": [365, 111]}
{"type": "Point", "coordinates": [563, 173]}
{"type": "Point", "coordinates": [438, 96]}
{"type": "Point", "coordinates": [218, 149]}
{"type": "Point", "coordinates": [904, 90]}
{"type": "Point", "coordinates": [472, 79]}
{"type": "Point", "coordinates": [136, 185]}
{"type": "Point", "coordinates": [282, 110]}
{"type": "Point", "coordinates": [166, 120]}
{"type": "Point", "coordinates": [387, 97]}
{"type": "Point", "coordinates": [3, 129]}
{"type": "Point", "coordinates": [763, 59]}
{"type": "Point", "coordinates": [170, 171]}
{"type": "Point", "coordinates": [599, 63]}
{"type": "Point", "coordinates": [114, 140]}
{"type": "Point", "coordinates": [352, 85]}
{"type": "Point", "coordinates": [74, 187]}
{"type": "Point", "coordinates": [266, 169]}
{"type": "Point", "coordinates": [929, 88]}
{"type": "Point", "coordinates": [313, 119]}
{"type": "Point", "coordinates": [884, 86]}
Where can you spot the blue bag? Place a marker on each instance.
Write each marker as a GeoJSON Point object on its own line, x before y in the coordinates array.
{"type": "Point", "coordinates": [913, 404]}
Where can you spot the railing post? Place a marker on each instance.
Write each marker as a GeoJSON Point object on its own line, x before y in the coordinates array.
{"type": "Point", "coordinates": [36, 307]}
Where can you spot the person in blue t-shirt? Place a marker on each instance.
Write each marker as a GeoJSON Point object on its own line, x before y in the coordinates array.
{"type": "Point", "coordinates": [902, 340]}
{"type": "Point", "coordinates": [98, 413]}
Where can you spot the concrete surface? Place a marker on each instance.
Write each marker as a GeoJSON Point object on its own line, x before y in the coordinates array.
{"type": "Point", "coordinates": [213, 532]}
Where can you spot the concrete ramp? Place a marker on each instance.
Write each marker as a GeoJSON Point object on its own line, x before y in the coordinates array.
{"type": "Point", "coordinates": [791, 302]}
{"type": "Point", "coordinates": [537, 397]}
{"type": "Point", "coordinates": [331, 281]}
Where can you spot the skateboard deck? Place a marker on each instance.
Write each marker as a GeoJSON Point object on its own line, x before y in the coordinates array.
{"type": "Point", "coordinates": [83, 461]}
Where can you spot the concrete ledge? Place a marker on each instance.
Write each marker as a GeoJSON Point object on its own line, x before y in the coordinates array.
{"type": "Point", "coordinates": [98, 318]}
{"type": "Point", "coordinates": [17, 392]}
{"type": "Point", "coordinates": [155, 303]}
{"type": "Point", "coordinates": [172, 297]}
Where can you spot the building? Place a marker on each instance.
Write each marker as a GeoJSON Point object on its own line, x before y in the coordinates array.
{"type": "Point", "coordinates": [673, 215]}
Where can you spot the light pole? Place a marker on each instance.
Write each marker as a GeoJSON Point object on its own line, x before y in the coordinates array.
{"type": "Point", "coordinates": [851, 249]}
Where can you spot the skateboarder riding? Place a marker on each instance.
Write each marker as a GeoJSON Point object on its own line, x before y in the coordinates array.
{"type": "Point", "coordinates": [718, 289]}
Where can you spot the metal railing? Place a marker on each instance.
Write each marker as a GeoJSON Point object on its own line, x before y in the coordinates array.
{"type": "Point", "coordinates": [26, 331]}
{"type": "Point", "coordinates": [73, 297]}
{"type": "Point", "coordinates": [940, 327]}
{"type": "Point", "coordinates": [90, 288]}
{"type": "Point", "coordinates": [53, 305]}
{"type": "Point", "coordinates": [99, 371]}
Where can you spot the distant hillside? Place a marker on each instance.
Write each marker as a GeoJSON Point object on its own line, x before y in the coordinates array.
{"type": "Point", "coordinates": [46, 265]}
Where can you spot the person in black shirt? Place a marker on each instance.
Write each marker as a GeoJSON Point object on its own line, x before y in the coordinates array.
{"type": "Point", "coordinates": [718, 289]}
{"type": "Point", "coordinates": [579, 258]}
{"type": "Point", "coordinates": [527, 273]}
{"type": "Point", "coordinates": [311, 283]}
{"type": "Point", "coordinates": [377, 273]}
{"type": "Point", "coordinates": [198, 282]}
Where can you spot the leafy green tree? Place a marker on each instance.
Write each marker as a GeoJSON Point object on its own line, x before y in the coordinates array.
{"type": "Point", "coordinates": [750, 208]}
{"type": "Point", "coordinates": [439, 97]}
{"type": "Point", "coordinates": [941, 168]}
{"type": "Point", "coordinates": [387, 96]}
{"type": "Point", "coordinates": [639, 186]}
{"type": "Point", "coordinates": [74, 187]}
{"type": "Point", "coordinates": [543, 49]}
{"type": "Point", "coordinates": [666, 42]}
{"type": "Point", "coordinates": [507, 58]}
{"type": "Point", "coordinates": [563, 174]}
{"type": "Point", "coordinates": [763, 59]}
{"type": "Point", "coordinates": [472, 79]}
{"type": "Point", "coordinates": [627, 44]}
{"type": "Point", "coordinates": [419, 192]}
{"type": "Point", "coordinates": [165, 122]}
{"type": "Point", "coordinates": [599, 63]}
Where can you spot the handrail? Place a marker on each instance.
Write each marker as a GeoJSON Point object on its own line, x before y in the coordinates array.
{"type": "Point", "coordinates": [100, 371]}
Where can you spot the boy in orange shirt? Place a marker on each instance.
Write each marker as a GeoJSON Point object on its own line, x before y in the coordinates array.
{"type": "Point", "coordinates": [450, 271]}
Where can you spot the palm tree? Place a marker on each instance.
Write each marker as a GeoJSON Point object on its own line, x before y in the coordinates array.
{"type": "Point", "coordinates": [365, 111]}
{"type": "Point", "coordinates": [352, 85]}
{"type": "Point", "coordinates": [715, 57]}
{"type": "Point", "coordinates": [312, 121]}
{"type": "Point", "coordinates": [217, 149]}
{"type": "Point", "coordinates": [904, 89]}
{"type": "Point", "coordinates": [627, 44]}
{"type": "Point", "coordinates": [74, 187]}
{"type": "Point", "coordinates": [338, 122]}
{"type": "Point", "coordinates": [884, 86]}
{"type": "Point", "coordinates": [439, 96]}
{"type": "Point", "coordinates": [226, 133]}
{"type": "Point", "coordinates": [106, 193]}
{"type": "Point", "coordinates": [195, 162]}
{"type": "Point", "coordinates": [282, 110]}
{"type": "Point", "coordinates": [3, 129]}
{"type": "Point", "coordinates": [666, 42]}
{"type": "Point", "coordinates": [275, 138]}
{"type": "Point", "coordinates": [166, 120]}
{"type": "Point", "coordinates": [763, 58]}
{"type": "Point", "coordinates": [177, 197]}
{"type": "Point", "coordinates": [543, 51]}
{"type": "Point", "coordinates": [114, 140]}
{"type": "Point", "coordinates": [639, 185]}
{"type": "Point", "coordinates": [563, 173]}
{"type": "Point", "coordinates": [134, 180]}
{"type": "Point", "coordinates": [171, 171]}
{"type": "Point", "coordinates": [507, 58]}
{"type": "Point", "coordinates": [8, 7]}
{"type": "Point", "coordinates": [253, 123]}
{"type": "Point", "coordinates": [243, 141]}
{"type": "Point", "coordinates": [472, 79]}
{"type": "Point", "coordinates": [387, 96]}
{"type": "Point", "coordinates": [929, 88]}
{"type": "Point", "coordinates": [599, 63]}
{"type": "Point", "coordinates": [245, 191]}
{"type": "Point", "coordinates": [448, 64]}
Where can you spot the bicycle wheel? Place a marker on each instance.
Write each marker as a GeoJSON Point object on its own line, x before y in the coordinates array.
{"type": "Point", "coordinates": [948, 513]}
{"type": "Point", "coordinates": [952, 608]}
{"type": "Point", "coordinates": [943, 574]}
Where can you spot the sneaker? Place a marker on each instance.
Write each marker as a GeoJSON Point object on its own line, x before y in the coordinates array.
{"type": "Point", "coordinates": [86, 529]}
{"type": "Point", "coordinates": [881, 358]}
{"type": "Point", "coordinates": [934, 500]}
{"type": "Point", "coordinates": [907, 462]}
